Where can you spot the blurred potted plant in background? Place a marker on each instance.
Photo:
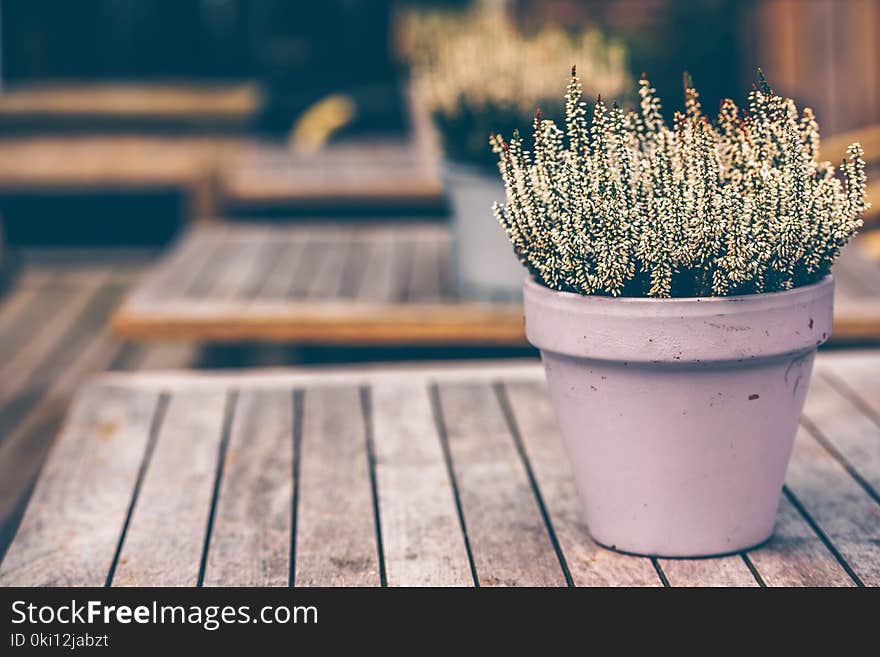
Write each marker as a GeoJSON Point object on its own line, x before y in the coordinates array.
{"type": "Point", "coordinates": [680, 286]}
{"type": "Point", "coordinates": [479, 74]}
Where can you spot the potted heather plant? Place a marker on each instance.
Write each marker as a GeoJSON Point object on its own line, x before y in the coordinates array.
{"type": "Point", "coordinates": [453, 55]}
{"type": "Point", "coordinates": [680, 286]}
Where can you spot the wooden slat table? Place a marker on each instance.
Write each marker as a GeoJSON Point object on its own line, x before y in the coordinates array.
{"type": "Point", "coordinates": [450, 475]}
{"type": "Point", "coordinates": [337, 284]}
{"type": "Point", "coordinates": [313, 284]}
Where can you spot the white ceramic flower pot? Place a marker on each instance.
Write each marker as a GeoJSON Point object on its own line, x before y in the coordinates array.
{"type": "Point", "coordinates": [679, 415]}
{"type": "Point", "coordinates": [485, 265]}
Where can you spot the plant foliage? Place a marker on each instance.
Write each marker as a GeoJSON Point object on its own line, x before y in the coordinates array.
{"type": "Point", "coordinates": [620, 203]}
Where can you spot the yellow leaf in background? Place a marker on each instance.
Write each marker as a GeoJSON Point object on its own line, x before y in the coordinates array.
{"type": "Point", "coordinates": [319, 122]}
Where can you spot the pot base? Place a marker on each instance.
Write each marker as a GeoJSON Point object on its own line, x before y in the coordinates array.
{"type": "Point", "coordinates": [678, 555]}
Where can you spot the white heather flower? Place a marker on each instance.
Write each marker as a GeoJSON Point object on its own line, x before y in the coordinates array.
{"type": "Point", "coordinates": [626, 205]}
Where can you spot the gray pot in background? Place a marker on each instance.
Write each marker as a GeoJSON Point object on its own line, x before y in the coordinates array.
{"type": "Point", "coordinates": [485, 266]}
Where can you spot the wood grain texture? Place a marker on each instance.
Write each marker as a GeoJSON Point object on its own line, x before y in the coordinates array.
{"type": "Point", "coordinates": [177, 271]}
{"type": "Point", "coordinates": [336, 543]}
{"type": "Point", "coordinates": [721, 571]}
{"type": "Point", "coordinates": [377, 279]}
{"type": "Point", "coordinates": [421, 533]}
{"type": "Point", "coordinates": [71, 306]}
{"type": "Point", "coordinates": [796, 556]}
{"type": "Point", "coordinates": [816, 51]}
{"type": "Point", "coordinates": [857, 379]}
{"type": "Point", "coordinates": [508, 538]}
{"type": "Point", "coordinates": [326, 281]}
{"type": "Point", "coordinates": [250, 541]}
{"type": "Point", "coordinates": [846, 430]}
{"type": "Point", "coordinates": [71, 529]}
{"type": "Point", "coordinates": [404, 477]}
{"type": "Point", "coordinates": [589, 564]}
{"type": "Point", "coordinates": [838, 505]}
{"type": "Point", "coordinates": [13, 307]}
{"type": "Point", "coordinates": [28, 434]}
{"type": "Point", "coordinates": [282, 271]}
{"type": "Point", "coordinates": [426, 276]}
{"type": "Point", "coordinates": [166, 535]}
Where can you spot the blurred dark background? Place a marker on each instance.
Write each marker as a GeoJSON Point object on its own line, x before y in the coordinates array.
{"type": "Point", "coordinates": [298, 51]}
{"type": "Point", "coordinates": [286, 56]}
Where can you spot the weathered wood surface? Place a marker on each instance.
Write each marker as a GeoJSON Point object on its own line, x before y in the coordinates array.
{"type": "Point", "coordinates": [421, 529]}
{"type": "Point", "coordinates": [372, 284]}
{"type": "Point", "coordinates": [379, 174]}
{"type": "Point", "coordinates": [164, 541]}
{"type": "Point", "coordinates": [446, 475]}
{"type": "Point", "coordinates": [336, 539]}
{"type": "Point", "coordinates": [83, 494]}
{"type": "Point", "coordinates": [250, 541]}
{"type": "Point", "coordinates": [79, 163]}
{"type": "Point", "coordinates": [54, 336]}
{"type": "Point", "coordinates": [194, 104]}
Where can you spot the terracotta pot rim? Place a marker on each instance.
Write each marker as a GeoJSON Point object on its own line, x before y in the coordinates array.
{"type": "Point", "coordinates": [696, 329]}
{"type": "Point", "coordinates": [812, 288]}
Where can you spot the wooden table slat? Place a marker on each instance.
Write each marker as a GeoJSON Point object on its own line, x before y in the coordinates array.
{"type": "Point", "coordinates": [328, 276]}
{"type": "Point", "coordinates": [377, 279]}
{"type": "Point", "coordinates": [421, 531]}
{"type": "Point", "coordinates": [250, 541]}
{"type": "Point", "coordinates": [508, 538]}
{"type": "Point", "coordinates": [245, 269]}
{"type": "Point", "coordinates": [316, 244]}
{"type": "Point", "coordinates": [426, 276]}
{"type": "Point", "coordinates": [165, 539]}
{"type": "Point", "coordinates": [178, 270]}
{"type": "Point", "coordinates": [70, 307]}
{"type": "Point", "coordinates": [281, 272]}
{"type": "Point", "coordinates": [836, 503]}
{"type": "Point", "coordinates": [858, 379]}
{"type": "Point", "coordinates": [796, 556]}
{"type": "Point", "coordinates": [336, 542]}
{"type": "Point", "coordinates": [721, 571]}
{"type": "Point", "coordinates": [854, 436]}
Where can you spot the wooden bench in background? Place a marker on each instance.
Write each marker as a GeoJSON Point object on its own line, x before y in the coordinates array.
{"type": "Point", "coordinates": [188, 138]}
{"type": "Point", "coordinates": [365, 175]}
{"type": "Point", "coordinates": [450, 475]}
{"type": "Point", "coordinates": [89, 164]}
{"type": "Point", "coordinates": [369, 175]}
{"type": "Point", "coordinates": [101, 106]}
{"type": "Point", "coordinates": [369, 285]}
